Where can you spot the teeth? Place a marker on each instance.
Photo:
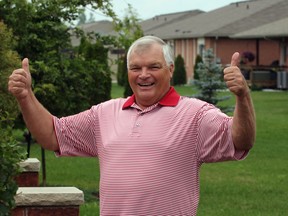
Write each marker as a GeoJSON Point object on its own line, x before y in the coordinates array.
{"type": "Point", "coordinates": [145, 84]}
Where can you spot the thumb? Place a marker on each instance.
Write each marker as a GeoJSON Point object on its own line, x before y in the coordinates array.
{"type": "Point", "coordinates": [25, 65]}
{"type": "Point", "coordinates": [235, 59]}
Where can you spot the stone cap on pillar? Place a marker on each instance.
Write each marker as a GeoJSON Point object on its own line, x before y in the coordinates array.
{"type": "Point", "coordinates": [49, 196]}
{"type": "Point", "coordinates": [30, 165]}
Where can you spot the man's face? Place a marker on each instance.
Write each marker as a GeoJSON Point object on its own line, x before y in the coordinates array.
{"type": "Point", "coordinates": [148, 74]}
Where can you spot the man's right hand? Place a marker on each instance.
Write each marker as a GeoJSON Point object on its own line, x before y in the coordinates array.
{"type": "Point", "coordinates": [19, 83]}
{"type": "Point", "coordinates": [37, 119]}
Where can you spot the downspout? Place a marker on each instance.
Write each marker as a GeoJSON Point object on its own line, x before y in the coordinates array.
{"type": "Point", "coordinates": [215, 48]}
{"type": "Point", "coordinates": [257, 52]}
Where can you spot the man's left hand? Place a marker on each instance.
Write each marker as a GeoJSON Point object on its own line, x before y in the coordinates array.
{"type": "Point", "coordinates": [234, 79]}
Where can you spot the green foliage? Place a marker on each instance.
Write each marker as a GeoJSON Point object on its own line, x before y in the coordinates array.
{"type": "Point", "coordinates": [128, 31]}
{"type": "Point", "coordinates": [197, 61]}
{"type": "Point", "coordinates": [97, 66]}
{"type": "Point", "coordinates": [210, 81]}
{"type": "Point", "coordinates": [179, 76]}
{"type": "Point", "coordinates": [10, 156]}
{"type": "Point", "coordinates": [83, 81]}
{"type": "Point", "coordinates": [10, 152]}
{"type": "Point", "coordinates": [63, 81]}
{"type": "Point", "coordinates": [121, 70]}
{"type": "Point", "coordinates": [39, 25]}
{"type": "Point", "coordinates": [9, 60]}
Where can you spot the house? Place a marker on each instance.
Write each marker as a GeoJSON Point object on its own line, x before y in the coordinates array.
{"type": "Point", "coordinates": [235, 27]}
{"type": "Point", "coordinates": [256, 26]}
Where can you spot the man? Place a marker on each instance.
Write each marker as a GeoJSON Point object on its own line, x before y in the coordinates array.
{"type": "Point", "coordinates": [152, 144]}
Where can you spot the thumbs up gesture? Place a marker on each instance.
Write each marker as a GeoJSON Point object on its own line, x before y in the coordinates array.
{"type": "Point", "coordinates": [234, 79]}
{"type": "Point", "coordinates": [19, 83]}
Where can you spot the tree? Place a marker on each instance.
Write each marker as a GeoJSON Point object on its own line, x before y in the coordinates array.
{"type": "Point", "coordinates": [128, 31]}
{"type": "Point", "coordinates": [44, 37]}
{"type": "Point", "coordinates": [9, 60]}
{"type": "Point", "coordinates": [197, 61]}
{"type": "Point", "coordinates": [211, 81]}
{"type": "Point", "coordinates": [63, 82]}
{"type": "Point", "coordinates": [10, 152]}
{"type": "Point", "coordinates": [179, 76]}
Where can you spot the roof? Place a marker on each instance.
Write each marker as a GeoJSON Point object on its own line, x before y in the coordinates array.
{"type": "Point", "coordinates": [269, 14]}
{"type": "Point", "coordinates": [103, 27]}
{"type": "Point", "coordinates": [278, 28]}
{"type": "Point", "coordinates": [167, 19]}
{"type": "Point", "coordinates": [243, 19]}
{"type": "Point", "coordinates": [225, 21]}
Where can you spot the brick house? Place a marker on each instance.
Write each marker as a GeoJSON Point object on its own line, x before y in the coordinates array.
{"type": "Point", "coordinates": [256, 26]}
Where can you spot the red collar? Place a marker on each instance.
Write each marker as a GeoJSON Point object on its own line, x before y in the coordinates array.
{"type": "Point", "coordinates": [170, 99]}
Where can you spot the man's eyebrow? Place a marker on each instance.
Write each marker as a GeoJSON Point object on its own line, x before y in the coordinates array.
{"type": "Point", "coordinates": [155, 63]}
{"type": "Point", "coordinates": [134, 65]}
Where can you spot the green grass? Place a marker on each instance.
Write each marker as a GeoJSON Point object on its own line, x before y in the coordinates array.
{"type": "Point", "coordinates": [255, 186]}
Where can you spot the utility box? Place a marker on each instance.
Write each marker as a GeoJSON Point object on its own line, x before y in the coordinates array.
{"type": "Point", "coordinates": [282, 80]}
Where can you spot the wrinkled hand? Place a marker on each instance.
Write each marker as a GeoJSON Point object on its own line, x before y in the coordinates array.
{"type": "Point", "coordinates": [234, 79]}
{"type": "Point", "coordinates": [19, 83]}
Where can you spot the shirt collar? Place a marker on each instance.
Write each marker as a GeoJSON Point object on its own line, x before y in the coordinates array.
{"type": "Point", "coordinates": [170, 99]}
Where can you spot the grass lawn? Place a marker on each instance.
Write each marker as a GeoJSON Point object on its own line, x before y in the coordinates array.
{"type": "Point", "coordinates": [255, 186]}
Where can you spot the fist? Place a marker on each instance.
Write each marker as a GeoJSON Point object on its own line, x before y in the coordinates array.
{"type": "Point", "coordinates": [234, 79]}
{"type": "Point", "coordinates": [19, 83]}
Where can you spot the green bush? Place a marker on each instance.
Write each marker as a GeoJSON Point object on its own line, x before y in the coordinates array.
{"type": "Point", "coordinates": [10, 152]}
{"type": "Point", "coordinates": [197, 61]}
{"type": "Point", "coordinates": [179, 76]}
{"type": "Point", "coordinates": [211, 81]}
{"type": "Point", "coordinates": [10, 156]}
{"type": "Point", "coordinates": [121, 70]}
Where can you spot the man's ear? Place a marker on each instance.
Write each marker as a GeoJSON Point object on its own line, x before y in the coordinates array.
{"type": "Point", "coordinates": [171, 70]}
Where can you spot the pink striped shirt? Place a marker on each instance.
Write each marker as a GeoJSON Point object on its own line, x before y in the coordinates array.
{"type": "Point", "coordinates": [149, 159]}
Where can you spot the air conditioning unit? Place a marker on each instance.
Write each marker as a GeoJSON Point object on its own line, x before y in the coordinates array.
{"type": "Point", "coordinates": [282, 80]}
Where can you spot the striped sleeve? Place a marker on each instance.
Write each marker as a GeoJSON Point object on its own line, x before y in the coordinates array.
{"type": "Point", "coordinates": [215, 136]}
{"type": "Point", "coordinates": [75, 134]}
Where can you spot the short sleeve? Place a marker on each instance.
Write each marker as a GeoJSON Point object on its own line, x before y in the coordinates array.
{"type": "Point", "coordinates": [75, 134]}
{"type": "Point", "coordinates": [215, 142]}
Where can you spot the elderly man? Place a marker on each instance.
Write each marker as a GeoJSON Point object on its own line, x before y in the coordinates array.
{"type": "Point", "coordinates": [150, 145]}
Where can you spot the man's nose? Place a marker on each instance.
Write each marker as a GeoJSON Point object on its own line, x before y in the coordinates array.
{"type": "Point", "coordinates": [144, 72]}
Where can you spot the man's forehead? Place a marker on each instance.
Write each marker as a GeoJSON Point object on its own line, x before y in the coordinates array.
{"type": "Point", "coordinates": [145, 63]}
{"type": "Point", "coordinates": [144, 48]}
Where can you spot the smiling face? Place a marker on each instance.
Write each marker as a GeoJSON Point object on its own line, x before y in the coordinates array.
{"type": "Point", "coordinates": [148, 74]}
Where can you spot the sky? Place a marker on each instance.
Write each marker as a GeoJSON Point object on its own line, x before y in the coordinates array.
{"type": "Point", "coordinates": [149, 8]}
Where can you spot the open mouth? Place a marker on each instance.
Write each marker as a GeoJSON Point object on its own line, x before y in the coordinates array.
{"type": "Point", "coordinates": [146, 84]}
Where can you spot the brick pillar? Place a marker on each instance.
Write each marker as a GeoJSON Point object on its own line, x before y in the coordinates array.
{"type": "Point", "coordinates": [48, 201]}
{"type": "Point", "coordinates": [29, 177]}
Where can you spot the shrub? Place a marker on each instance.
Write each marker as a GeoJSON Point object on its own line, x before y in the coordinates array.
{"type": "Point", "coordinates": [10, 156]}
{"type": "Point", "coordinates": [211, 81]}
{"type": "Point", "coordinates": [10, 152]}
{"type": "Point", "coordinates": [197, 61]}
{"type": "Point", "coordinates": [121, 70]}
{"type": "Point", "coordinates": [179, 76]}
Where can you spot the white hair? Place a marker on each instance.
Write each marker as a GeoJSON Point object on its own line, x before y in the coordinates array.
{"type": "Point", "coordinates": [147, 41]}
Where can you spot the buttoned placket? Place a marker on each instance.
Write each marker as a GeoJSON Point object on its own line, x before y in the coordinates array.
{"type": "Point", "coordinates": [136, 130]}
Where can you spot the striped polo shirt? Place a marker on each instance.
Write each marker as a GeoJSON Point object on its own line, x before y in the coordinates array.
{"type": "Point", "coordinates": [149, 159]}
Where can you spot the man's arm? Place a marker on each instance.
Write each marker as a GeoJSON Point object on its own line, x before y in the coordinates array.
{"type": "Point", "coordinates": [244, 121]}
{"type": "Point", "coordinates": [37, 119]}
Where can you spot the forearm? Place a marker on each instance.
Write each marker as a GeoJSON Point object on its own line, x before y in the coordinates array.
{"type": "Point", "coordinates": [39, 122]}
{"type": "Point", "coordinates": [244, 123]}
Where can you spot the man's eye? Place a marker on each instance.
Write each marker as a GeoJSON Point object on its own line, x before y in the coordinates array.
{"type": "Point", "coordinates": [155, 68]}
{"type": "Point", "coordinates": [135, 69]}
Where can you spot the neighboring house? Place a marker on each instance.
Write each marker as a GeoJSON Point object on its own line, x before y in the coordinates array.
{"type": "Point", "coordinates": [257, 26]}
{"type": "Point", "coordinates": [229, 29]}
{"type": "Point", "coordinates": [103, 28]}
